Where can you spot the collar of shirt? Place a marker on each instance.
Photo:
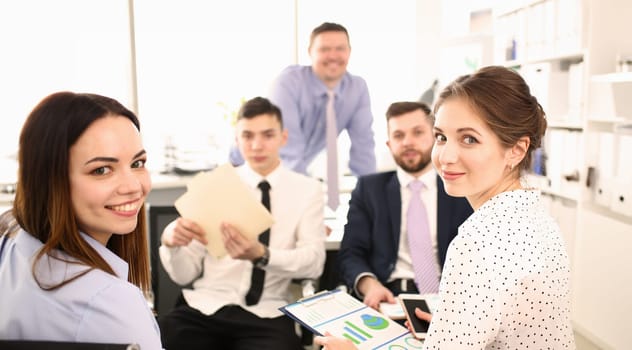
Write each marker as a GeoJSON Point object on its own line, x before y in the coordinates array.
{"type": "Point", "coordinates": [252, 178]}
{"type": "Point", "coordinates": [520, 200]}
{"type": "Point", "coordinates": [320, 89]}
{"type": "Point", "coordinates": [32, 244]}
{"type": "Point", "coordinates": [120, 267]}
{"type": "Point", "coordinates": [429, 178]}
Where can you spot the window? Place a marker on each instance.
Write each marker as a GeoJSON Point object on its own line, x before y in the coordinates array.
{"type": "Point", "coordinates": [196, 60]}
{"type": "Point", "coordinates": [50, 46]}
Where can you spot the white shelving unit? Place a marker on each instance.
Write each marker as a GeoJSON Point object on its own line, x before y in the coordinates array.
{"type": "Point", "coordinates": [567, 50]}
{"type": "Point", "coordinates": [619, 77]}
{"type": "Point", "coordinates": [577, 126]}
{"type": "Point", "coordinates": [571, 57]}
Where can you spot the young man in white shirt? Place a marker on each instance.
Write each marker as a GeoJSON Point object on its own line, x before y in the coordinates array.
{"type": "Point", "coordinates": [220, 311]}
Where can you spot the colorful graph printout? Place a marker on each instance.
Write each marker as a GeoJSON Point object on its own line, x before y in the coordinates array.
{"type": "Point", "coordinates": [342, 315]}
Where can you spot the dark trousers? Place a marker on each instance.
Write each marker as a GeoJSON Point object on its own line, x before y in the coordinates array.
{"type": "Point", "coordinates": [400, 286]}
{"type": "Point", "coordinates": [231, 327]}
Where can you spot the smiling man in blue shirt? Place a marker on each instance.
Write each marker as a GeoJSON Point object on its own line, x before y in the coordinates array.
{"type": "Point", "coordinates": [301, 94]}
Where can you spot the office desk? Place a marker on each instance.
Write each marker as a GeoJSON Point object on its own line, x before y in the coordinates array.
{"type": "Point", "coordinates": [166, 188]}
{"type": "Point", "coordinates": [337, 225]}
{"type": "Point", "coordinates": [6, 202]}
{"type": "Point", "coordinates": [330, 279]}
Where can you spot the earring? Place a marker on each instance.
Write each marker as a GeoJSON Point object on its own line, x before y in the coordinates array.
{"type": "Point", "coordinates": [511, 166]}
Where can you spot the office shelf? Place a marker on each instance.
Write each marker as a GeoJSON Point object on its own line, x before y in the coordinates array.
{"type": "Point", "coordinates": [570, 57]}
{"type": "Point", "coordinates": [567, 50]}
{"type": "Point", "coordinates": [619, 77]}
{"type": "Point", "coordinates": [568, 125]}
{"type": "Point", "coordinates": [567, 190]}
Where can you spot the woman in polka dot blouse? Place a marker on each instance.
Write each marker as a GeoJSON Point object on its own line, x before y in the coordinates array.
{"type": "Point", "coordinates": [506, 279]}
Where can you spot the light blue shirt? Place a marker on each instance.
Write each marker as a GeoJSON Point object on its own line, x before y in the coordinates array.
{"type": "Point", "coordinates": [302, 98]}
{"type": "Point", "coordinates": [97, 307]}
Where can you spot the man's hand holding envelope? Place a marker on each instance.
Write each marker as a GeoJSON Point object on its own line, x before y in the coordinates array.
{"type": "Point", "coordinates": [220, 211]}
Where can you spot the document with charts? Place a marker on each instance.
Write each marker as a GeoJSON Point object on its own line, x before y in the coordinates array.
{"type": "Point", "coordinates": [344, 316]}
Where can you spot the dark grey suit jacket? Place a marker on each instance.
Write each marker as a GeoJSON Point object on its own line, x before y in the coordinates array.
{"type": "Point", "coordinates": [371, 238]}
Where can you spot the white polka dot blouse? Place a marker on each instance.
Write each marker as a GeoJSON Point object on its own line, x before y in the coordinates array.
{"type": "Point", "coordinates": [506, 280]}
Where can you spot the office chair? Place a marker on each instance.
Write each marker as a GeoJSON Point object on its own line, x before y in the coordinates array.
{"type": "Point", "coordinates": [60, 345]}
{"type": "Point", "coordinates": [166, 292]}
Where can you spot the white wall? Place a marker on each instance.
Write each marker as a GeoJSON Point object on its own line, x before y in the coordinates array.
{"type": "Point", "coordinates": [602, 280]}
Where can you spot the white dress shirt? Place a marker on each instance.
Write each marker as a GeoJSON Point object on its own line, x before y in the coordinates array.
{"type": "Point", "coordinates": [404, 267]}
{"type": "Point", "coordinates": [297, 250]}
{"type": "Point", "coordinates": [506, 280]}
{"type": "Point", "coordinates": [96, 307]}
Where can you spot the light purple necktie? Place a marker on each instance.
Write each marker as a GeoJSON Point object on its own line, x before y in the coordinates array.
{"type": "Point", "coordinates": [332, 153]}
{"type": "Point", "coordinates": [423, 259]}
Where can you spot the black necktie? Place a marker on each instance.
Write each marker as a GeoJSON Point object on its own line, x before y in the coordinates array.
{"type": "Point", "coordinates": [259, 275]}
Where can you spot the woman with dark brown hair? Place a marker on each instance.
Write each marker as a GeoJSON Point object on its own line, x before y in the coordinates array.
{"type": "Point", "coordinates": [74, 252]}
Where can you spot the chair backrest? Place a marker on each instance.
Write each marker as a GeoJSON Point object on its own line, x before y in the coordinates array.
{"type": "Point", "coordinates": [57, 345]}
{"type": "Point", "coordinates": [166, 292]}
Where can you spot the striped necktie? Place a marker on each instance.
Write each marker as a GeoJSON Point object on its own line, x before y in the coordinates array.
{"type": "Point", "coordinates": [421, 252]}
{"type": "Point", "coordinates": [333, 199]}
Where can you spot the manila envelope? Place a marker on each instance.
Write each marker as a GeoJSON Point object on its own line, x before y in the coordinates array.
{"type": "Point", "coordinates": [221, 196]}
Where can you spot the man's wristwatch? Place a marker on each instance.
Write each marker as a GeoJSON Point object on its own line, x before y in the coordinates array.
{"type": "Point", "coordinates": [264, 259]}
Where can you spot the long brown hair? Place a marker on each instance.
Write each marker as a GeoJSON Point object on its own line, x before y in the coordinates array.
{"type": "Point", "coordinates": [43, 205]}
{"type": "Point", "coordinates": [504, 101]}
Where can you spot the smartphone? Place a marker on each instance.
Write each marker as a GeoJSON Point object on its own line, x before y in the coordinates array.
{"type": "Point", "coordinates": [409, 303]}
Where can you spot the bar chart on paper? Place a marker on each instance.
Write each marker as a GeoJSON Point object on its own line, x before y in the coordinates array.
{"type": "Point", "coordinates": [344, 316]}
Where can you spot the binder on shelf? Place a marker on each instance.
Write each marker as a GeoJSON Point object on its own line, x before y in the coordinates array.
{"type": "Point", "coordinates": [603, 191]}
{"type": "Point", "coordinates": [548, 16]}
{"type": "Point", "coordinates": [572, 146]}
{"type": "Point", "coordinates": [575, 83]}
{"type": "Point", "coordinates": [549, 84]}
{"type": "Point", "coordinates": [554, 147]}
{"type": "Point", "coordinates": [535, 34]}
{"type": "Point", "coordinates": [605, 169]}
{"type": "Point", "coordinates": [569, 26]}
{"type": "Point", "coordinates": [623, 164]}
{"type": "Point", "coordinates": [621, 199]}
